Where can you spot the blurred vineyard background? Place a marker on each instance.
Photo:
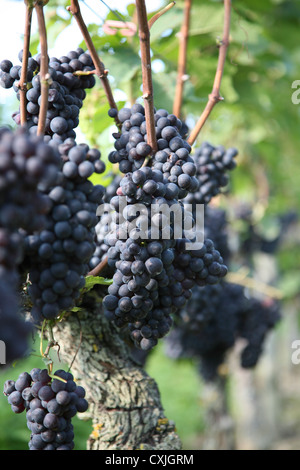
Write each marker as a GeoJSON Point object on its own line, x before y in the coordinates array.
{"type": "Point", "coordinates": [257, 409]}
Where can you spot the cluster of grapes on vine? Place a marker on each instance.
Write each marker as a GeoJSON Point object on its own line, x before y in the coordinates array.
{"type": "Point", "coordinates": [52, 241]}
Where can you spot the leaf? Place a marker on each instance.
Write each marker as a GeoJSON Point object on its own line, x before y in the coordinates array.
{"type": "Point", "coordinates": [91, 281]}
{"type": "Point", "coordinates": [164, 91]}
{"type": "Point", "coordinates": [93, 116]}
{"type": "Point", "coordinates": [76, 309]}
{"type": "Point", "coordinates": [104, 179]}
{"type": "Point", "coordinates": [171, 20]}
{"type": "Point", "coordinates": [228, 90]}
{"type": "Point", "coordinates": [122, 63]}
{"type": "Point", "coordinates": [206, 18]}
{"type": "Point", "coordinates": [57, 26]}
{"type": "Point", "coordinates": [290, 284]}
{"type": "Point", "coordinates": [131, 9]}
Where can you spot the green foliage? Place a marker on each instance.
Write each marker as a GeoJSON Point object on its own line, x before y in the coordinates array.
{"type": "Point", "coordinates": [91, 281]}
{"type": "Point", "coordinates": [257, 114]}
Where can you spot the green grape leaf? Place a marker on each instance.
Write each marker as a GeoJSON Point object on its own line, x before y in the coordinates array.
{"type": "Point", "coordinates": [76, 309]}
{"type": "Point", "coordinates": [122, 64]}
{"type": "Point", "coordinates": [91, 281]}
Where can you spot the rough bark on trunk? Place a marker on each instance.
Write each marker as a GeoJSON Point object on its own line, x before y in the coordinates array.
{"type": "Point", "coordinates": [124, 402]}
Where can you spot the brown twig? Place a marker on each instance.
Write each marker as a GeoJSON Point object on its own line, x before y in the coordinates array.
{"type": "Point", "coordinates": [182, 58]}
{"type": "Point", "coordinates": [215, 97]}
{"type": "Point", "coordinates": [79, 346]}
{"type": "Point", "coordinates": [101, 72]}
{"type": "Point", "coordinates": [85, 73]}
{"type": "Point", "coordinates": [144, 36]}
{"type": "Point", "coordinates": [99, 268]}
{"type": "Point", "coordinates": [44, 72]}
{"type": "Point", "coordinates": [23, 79]}
{"type": "Point", "coordinates": [159, 14]}
{"type": "Point", "coordinates": [250, 283]}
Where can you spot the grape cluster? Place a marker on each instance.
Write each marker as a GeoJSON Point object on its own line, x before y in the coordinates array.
{"type": "Point", "coordinates": [27, 164]}
{"type": "Point", "coordinates": [202, 266]}
{"type": "Point", "coordinates": [66, 91]}
{"type": "Point", "coordinates": [172, 159]}
{"type": "Point", "coordinates": [10, 74]}
{"type": "Point", "coordinates": [131, 147]}
{"type": "Point", "coordinates": [213, 319]}
{"type": "Point", "coordinates": [50, 405]}
{"type": "Point", "coordinates": [131, 150]}
{"type": "Point", "coordinates": [58, 256]}
{"type": "Point", "coordinates": [212, 165]}
{"type": "Point", "coordinates": [105, 225]}
{"type": "Point", "coordinates": [136, 297]}
{"type": "Point", "coordinates": [154, 273]}
{"type": "Point", "coordinates": [142, 264]}
{"type": "Point", "coordinates": [259, 317]}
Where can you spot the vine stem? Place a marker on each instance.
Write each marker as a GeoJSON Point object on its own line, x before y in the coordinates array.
{"type": "Point", "coordinates": [215, 96]}
{"type": "Point", "coordinates": [42, 336]}
{"type": "Point", "coordinates": [99, 268]}
{"type": "Point", "coordinates": [144, 36]}
{"type": "Point", "coordinates": [160, 13]}
{"type": "Point", "coordinates": [23, 78]}
{"type": "Point", "coordinates": [101, 72]}
{"type": "Point", "coordinates": [51, 344]}
{"type": "Point", "coordinates": [250, 283]}
{"type": "Point", "coordinates": [182, 58]}
{"type": "Point", "coordinates": [44, 72]}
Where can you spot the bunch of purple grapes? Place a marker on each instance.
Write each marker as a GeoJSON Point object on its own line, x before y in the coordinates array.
{"type": "Point", "coordinates": [58, 256]}
{"type": "Point", "coordinates": [27, 164]}
{"type": "Point", "coordinates": [154, 272]}
{"type": "Point", "coordinates": [50, 405]}
{"type": "Point", "coordinates": [212, 321]}
{"type": "Point", "coordinates": [66, 91]}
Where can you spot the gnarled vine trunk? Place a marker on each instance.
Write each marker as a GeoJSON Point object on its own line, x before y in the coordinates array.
{"type": "Point", "coordinates": [124, 402]}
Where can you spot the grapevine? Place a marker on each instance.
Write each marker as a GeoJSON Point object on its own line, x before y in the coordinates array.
{"type": "Point", "coordinates": [129, 256]}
